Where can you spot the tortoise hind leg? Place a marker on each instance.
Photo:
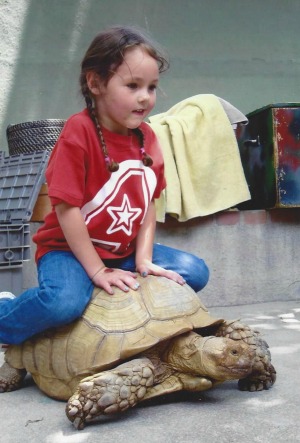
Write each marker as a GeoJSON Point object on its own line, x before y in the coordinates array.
{"type": "Point", "coordinates": [11, 378]}
{"type": "Point", "coordinates": [110, 392]}
{"type": "Point", "coordinates": [263, 374]}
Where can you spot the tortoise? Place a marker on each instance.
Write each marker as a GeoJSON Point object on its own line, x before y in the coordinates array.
{"type": "Point", "coordinates": [137, 345]}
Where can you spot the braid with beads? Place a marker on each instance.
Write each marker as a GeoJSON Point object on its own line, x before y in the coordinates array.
{"type": "Point", "coordinates": [146, 159]}
{"type": "Point", "coordinates": [104, 55]}
{"type": "Point", "coordinates": [111, 165]}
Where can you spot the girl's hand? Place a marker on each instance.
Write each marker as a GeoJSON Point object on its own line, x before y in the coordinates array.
{"type": "Point", "coordinates": [105, 278]}
{"type": "Point", "coordinates": [147, 267]}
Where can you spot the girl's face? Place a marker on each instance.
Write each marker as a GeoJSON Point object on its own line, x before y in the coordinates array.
{"type": "Point", "coordinates": [130, 94]}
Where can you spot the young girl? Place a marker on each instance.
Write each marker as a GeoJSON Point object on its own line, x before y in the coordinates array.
{"type": "Point", "coordinates": [104, 173]}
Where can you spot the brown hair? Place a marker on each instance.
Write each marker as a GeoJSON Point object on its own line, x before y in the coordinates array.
{"type": "Point", "coordinates": [104, 55]}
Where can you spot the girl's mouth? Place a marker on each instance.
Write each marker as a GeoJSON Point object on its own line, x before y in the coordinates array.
{"type": "Point", "coordinates": [139, 111]}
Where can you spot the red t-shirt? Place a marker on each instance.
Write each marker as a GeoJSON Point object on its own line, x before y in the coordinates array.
{"type": "Point", "coordinates": [113, 205]}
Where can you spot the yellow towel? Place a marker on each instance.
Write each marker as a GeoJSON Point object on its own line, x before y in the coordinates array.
{"type": "Point", "coordinates": [203, 167]}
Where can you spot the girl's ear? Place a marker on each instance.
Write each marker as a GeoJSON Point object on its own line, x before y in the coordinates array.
{"type": "Point", "coordinates": [93, 82]}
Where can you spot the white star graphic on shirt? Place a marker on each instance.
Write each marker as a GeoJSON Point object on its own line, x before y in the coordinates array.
{"type": "Point", "coordinates": [123, 216]}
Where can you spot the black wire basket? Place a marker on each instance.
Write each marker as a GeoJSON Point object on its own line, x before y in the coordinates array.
{"type": "Point", "coordinates": [39, 135]}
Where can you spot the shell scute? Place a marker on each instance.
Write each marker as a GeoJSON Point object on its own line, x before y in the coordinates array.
{"type": "Point", "coordinates": [121, 312]}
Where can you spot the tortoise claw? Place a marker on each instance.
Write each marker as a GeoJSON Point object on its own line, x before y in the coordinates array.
{"type": "Point", "coordinates": [110, 392]}
{"type": "Point", "coordinates": [258, 381]}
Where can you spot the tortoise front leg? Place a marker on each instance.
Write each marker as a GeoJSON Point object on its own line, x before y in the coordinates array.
{"type": "Point", "coordinates": [263, 374]}
{"type": "Point", "coordinates": [110, 392]}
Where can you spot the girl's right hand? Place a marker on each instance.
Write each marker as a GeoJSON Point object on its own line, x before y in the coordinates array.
{"type": "Point", "coordinates": [106, 278]}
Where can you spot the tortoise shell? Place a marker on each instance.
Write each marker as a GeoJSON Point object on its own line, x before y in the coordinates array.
{"type": "Point", "coordinates": [112, 329]}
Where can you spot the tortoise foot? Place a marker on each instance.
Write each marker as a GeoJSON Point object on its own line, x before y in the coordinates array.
{"type": "Point", "coordinates": [10, 378]}
{"type": "Point", "coordinates": [263, 374]}
{"type": "Point", "coordinates": [260, 381]}
{"type": "Point", "coordinates": [110, 392]}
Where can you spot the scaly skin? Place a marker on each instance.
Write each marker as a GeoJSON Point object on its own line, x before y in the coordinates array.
{"type": "Point", "coordinates": [11, 378]}
{"type": "Point", "coordinates": [263, 374]}
{"type": "Point", "coordinates": [190, 362]}
{"type": "Point", "coordinates": [110, 392]}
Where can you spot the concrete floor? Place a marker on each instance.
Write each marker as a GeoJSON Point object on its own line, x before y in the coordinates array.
{"type": "Point", "coordinates": [221, 415]}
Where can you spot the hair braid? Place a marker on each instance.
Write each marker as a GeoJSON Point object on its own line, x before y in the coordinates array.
{"type": "Point", "coordinates": [111, 165]}
{"type": "Point", "coordinates": [146, 159]}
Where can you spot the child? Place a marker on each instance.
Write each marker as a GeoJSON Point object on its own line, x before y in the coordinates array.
{"type": "Point", "coordinates": [104, 173]}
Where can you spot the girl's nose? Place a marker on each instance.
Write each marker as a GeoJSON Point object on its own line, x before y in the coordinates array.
{"type": "Point", "coordinates": [144, 96]}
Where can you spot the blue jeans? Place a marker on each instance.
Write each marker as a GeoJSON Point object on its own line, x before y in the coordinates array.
{"type": "Point", "coordinates": [65, 290]}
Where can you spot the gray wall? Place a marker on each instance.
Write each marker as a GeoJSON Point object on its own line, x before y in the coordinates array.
{"type": "Point", "coordinates": [244, 51]}
{"type": "Point", "coordinates": [252, 259]}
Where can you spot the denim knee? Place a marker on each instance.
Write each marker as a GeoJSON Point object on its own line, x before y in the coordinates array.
{"type": "Point", "coordinates": [195, 272]}
{"type": "Point", "coordinates": [192, 268]}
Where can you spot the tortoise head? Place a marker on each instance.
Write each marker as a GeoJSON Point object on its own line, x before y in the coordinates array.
{"type": "Point", "coordinates": [218, 358]}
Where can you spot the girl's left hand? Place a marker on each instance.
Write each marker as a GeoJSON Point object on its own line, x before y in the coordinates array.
{"type": "Point", "coordinates": [148, 267]}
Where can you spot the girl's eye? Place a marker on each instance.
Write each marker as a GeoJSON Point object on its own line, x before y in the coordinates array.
{"type": "Point", "coordinates": [152, 87]}
{"type": "Point", "coordinates": [132, 85]}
